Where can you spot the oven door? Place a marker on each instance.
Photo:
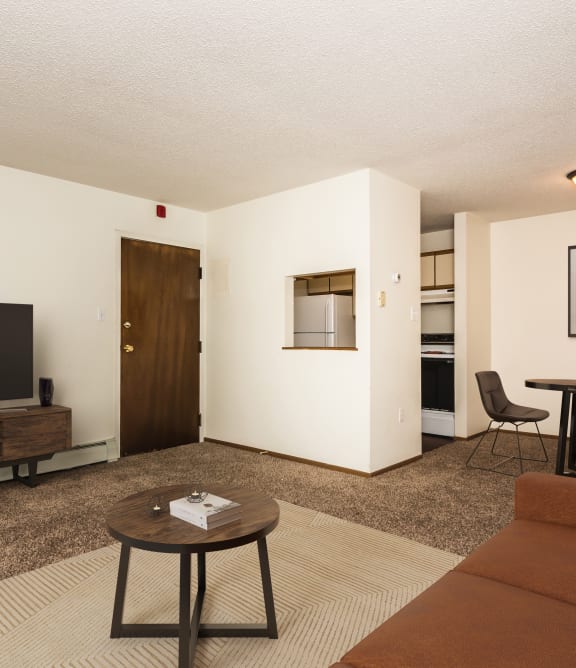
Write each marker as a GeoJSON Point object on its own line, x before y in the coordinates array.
{"type": "Point", "coordinates": [438, 384]}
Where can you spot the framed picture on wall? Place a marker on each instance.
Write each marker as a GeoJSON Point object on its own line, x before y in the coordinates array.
{"type": "Point", "coordinates": [571, 290]}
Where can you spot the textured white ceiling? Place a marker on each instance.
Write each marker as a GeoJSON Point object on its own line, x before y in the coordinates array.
{"type": "Point", "coordinates": [208, 103]}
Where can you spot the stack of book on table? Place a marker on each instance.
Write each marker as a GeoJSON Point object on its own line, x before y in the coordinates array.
{"type": "Point", "coordinates": [213, 511]}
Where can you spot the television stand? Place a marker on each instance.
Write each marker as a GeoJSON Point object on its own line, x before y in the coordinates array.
{"type": "Point", "coordinates": [31, 434]}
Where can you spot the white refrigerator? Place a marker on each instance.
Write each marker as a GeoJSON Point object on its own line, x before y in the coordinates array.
{"type": "Point", "coordinates": [324, 321]}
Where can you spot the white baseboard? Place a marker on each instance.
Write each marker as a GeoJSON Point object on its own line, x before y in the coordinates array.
{"type": "Point", "coordinates": [80, 455]}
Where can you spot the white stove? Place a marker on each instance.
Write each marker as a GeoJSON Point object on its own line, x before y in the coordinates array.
{"type": "Point", "coordinates": [437, 354]}
{"type": "Point", "coordinates": [437, 351]}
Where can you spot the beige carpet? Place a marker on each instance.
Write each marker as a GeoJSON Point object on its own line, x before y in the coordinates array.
{"type": "Point", "coordinates": [436, 500]}
{"type": "Point", "coordinates": [334, 581]}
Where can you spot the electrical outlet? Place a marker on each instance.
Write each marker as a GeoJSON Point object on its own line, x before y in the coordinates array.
{"type": "Point", "coordinates": [400, 415]}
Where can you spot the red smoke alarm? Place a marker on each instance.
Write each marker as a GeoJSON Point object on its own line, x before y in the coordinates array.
{"type": "Point", "coordinates": [160, 211]}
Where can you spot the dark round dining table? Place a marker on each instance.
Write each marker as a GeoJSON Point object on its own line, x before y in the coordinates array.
{"type": "Point", "coordinates": [567, 420]}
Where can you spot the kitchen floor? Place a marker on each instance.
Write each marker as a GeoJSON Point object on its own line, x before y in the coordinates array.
{"type": "Point", "coordinates": [431, 442]}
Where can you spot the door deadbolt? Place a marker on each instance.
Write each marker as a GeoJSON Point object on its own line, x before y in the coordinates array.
{"type": "Point", "coordinates": [127, 324]}
{"type": "Point", "coordinates": [128, 348]}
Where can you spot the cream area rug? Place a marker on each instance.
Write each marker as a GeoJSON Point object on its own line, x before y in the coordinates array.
{"type": "Point", "coordinates": [333, 583]}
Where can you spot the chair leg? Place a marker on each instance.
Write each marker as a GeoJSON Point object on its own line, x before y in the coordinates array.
{"type": "Point", "coordinates": [484, 468]}
{"type": "Point", "coordinates": [507, 458]}
{"type": "Point", "coordinates": [541, 443]}
{"type": "Point", "coordinates": [478, 445]}
{"type": "Point", "coordinates": [495, 439]}
{"type": "Point", "coordinates": [531, 459]}
{"type": "Point", "coordinates": [519, 451]}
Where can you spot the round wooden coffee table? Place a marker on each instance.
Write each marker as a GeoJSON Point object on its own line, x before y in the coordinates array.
{"type": "Point", "coordinates": [134, 524]}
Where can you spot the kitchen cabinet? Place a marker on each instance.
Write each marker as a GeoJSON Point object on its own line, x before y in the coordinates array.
{"type": "Point", "coordinates": [340, 283]}
{"type": "Point", "coordinates": [445, 269]}
{"type": "Point", "coordinates": [319, 285]}
{"type": "Point", "coordinates": [427, 271]}
{"type": "Point", "coordinates": [437, 270]}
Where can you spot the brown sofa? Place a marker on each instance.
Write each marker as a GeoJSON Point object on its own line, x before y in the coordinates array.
{"type": "Point", "coordinates": [512, 602]}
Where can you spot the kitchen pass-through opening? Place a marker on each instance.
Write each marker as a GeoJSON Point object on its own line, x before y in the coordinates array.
{"type": "Point", "coordinates": [321, 310]}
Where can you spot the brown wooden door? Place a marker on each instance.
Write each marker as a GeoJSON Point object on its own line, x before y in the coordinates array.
{"type": "Point", "coordinates": [160, 321]}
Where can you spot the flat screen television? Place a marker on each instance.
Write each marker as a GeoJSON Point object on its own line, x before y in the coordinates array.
{"type": "Point", "coordinates": [16, 351]}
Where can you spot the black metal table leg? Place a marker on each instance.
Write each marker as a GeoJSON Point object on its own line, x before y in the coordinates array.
{"type": "Point", "coordinates": [116, 630]}
{"type": "Point", "coordinates": [562, 433]}
{"type": "Point", "coordinates": [234, 630]}
{"type": "Point", "coordinates": [186, 644]}
{"type": "Point", "coordinates": [572, 441]}
{"type": "Point", "coordinates": [202, 571]}
{"type": "Point", "coordinates": [267, 588]}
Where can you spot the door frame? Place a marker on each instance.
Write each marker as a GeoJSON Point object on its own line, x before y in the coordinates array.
{"type": "Point", "coordinates": [129, 234]}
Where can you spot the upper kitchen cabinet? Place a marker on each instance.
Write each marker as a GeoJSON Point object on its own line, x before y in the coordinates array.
{"type": "Point", "coordinates": [445, 269]}
{"type": "Point", "coordinates": [340, 283]}
{"type": "Point", "coordinates": [437, 270]}
{"type": "Point", "coordinates": [318, 285]}
{"type": "Point", "coordinates": [427, 270]}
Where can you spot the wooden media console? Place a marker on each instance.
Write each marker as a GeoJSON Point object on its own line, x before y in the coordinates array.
{"type": "Point", "coordinates": [31, 434]}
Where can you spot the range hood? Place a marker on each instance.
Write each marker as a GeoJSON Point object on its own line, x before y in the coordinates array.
{"type": "Point", "coordinates": [437, 296]}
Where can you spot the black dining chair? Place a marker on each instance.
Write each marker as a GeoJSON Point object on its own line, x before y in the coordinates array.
{"type": "Point", "coordinates": [501, 410]}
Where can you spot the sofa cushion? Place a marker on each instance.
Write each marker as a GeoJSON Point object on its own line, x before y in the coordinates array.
{"type": "Point", "coordinates": [536, 556]}
{"type": "Point", "coordinates": [544, 497]}
{"type": "Point", "coordinates": [468, 621]}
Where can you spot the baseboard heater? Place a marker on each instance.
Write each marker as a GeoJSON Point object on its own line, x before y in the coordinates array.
{"type": "Point", "coordinates": [88, 445]}
{"type": "Point", "coordinates": [78, 455]}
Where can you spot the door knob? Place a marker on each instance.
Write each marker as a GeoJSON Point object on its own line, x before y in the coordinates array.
{"type": "Point", "coordinates": [128, 348]}
{"type": "Point", "coordinates": [127, 324]}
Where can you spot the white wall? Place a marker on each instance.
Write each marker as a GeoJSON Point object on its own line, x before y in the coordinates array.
{"type": "Point", "coordinates": [313, 404]}
{"type": "Point", "coordinates": [529, 307]}
{"type": "Point", "coordinates": [59, 250]}
{"type": "Point", "coordinates": [472, 319]}
{"type": "Point", "coordinates": [395, 332]}
{"type": "Point", "coordinates": [435, 241]}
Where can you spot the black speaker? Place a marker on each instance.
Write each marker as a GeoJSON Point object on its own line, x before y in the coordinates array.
{"type": "Point", "coordinates": [45, 391]}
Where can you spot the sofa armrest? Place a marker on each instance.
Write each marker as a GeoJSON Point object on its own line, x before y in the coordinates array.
{"type": "Point", "coordinates": [543, 497]}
